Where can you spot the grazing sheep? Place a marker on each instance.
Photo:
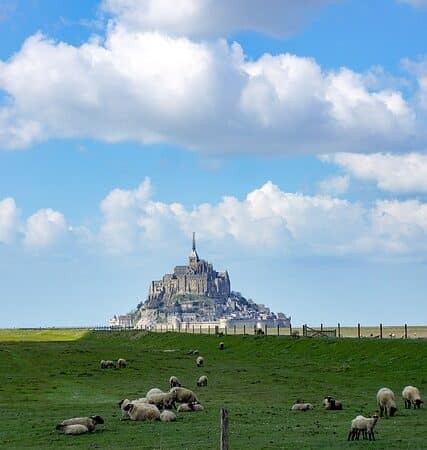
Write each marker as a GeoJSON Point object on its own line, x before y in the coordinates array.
{"type": "Point", "coordinates": [200, 361]}
{"type": "Point", "coordinates": [174, 382]}
{"type": "Point", "coordinates": [102, 364]}
{"type": "Point", "coordinates": [88, 422]}
{"type": "Point", "coordinates": [75, 429]}
{"type": "Point", "coordinates": [184, 395]}
{"type": "Point", "coordinates": [221, 346]}
{"type": "Point", "coordinates": [121, 363]}
{"type": "Point", "coordinates": [153, 391]}
{"type": "Point", "coordinates": [411, 395]}
{"type": "Point", "coordinates": [167, 416]}
{"type": "Point", "coordinates": [165, 400]}
{"type": "Point", "coordinates": [331, 404]}
{"type": "Point", "coordinates": [142, 411]}
{"type": "Point", "coordinates": [301, 407]}
{"type": "Point", "coordinates": [364, 425]}
{"type": "Point", "coordinates": [386, 402]}
{"type": "Point", "coordinates": [202, 381]}
{"type": "Point", "coordinates": [107, 364]}
{"type": "Point", "coordinates": [190, 407]}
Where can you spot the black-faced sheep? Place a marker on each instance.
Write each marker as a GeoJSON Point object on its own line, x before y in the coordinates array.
{"type": "Point", "coordinates": [123, 403]}
{"type": "Point", "coordinates": [200, 361]}
{"type": "Point", "coordinates": [121, 363]}
{"type": "Point", "coordinates": [88, 422]}
{"type": "Point", "coordinates": [301, 406]}
{"type": "Point", "coordinates": [190, 407]}
{"type": "Point", "coordinates": [202, 381]}
{"type": "Point", "coordinates": [174, 382]}
{"type": "Point", "coordinates": [221, 346]}
{"type": "Point", "coordinates": [167, 416]}
{"type": "Point", "coordinates": [142, 411]}
{"type": "Point", "coordinates": [411, 396]}
{"type": "Point", "coordinates": [184, 395]}
{"type": "Point", "coordinates": [364, 425]}
{"type": "Point", "coordinates": [331, 404]}
{"type": "Point", "coordinates": [386, 402]}
{"type": "Point", "coordinates": [107, 364]}
{"type": "Point", "coordinates": [75, 429]}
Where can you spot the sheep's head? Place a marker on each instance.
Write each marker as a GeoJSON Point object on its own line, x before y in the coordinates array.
{"type": "Point", "coordinates": [393, 410]}
{"type": "Point", "coordinates": [97, 419]}
{"type": "Point", "coordinates": [128, 407]}
{"type": "Point", "coordinates": [418, 403]}
{"type": "Point", "coordinates": [123, 401]}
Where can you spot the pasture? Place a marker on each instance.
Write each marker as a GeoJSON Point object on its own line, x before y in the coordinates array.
{"type": "Point", "coordinates": [45, 378]}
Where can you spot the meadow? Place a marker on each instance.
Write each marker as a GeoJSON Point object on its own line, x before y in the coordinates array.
{"type": "Point", "coordinates": [46, 377]}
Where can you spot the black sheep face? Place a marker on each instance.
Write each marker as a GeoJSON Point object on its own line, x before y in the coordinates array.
{"type": "Point", "coordinates": [98, 419]}
{"type": "Point", "coordinates": [393, 411]}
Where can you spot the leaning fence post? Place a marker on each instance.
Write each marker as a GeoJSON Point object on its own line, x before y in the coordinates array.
{"type": "Point", "coordinates": [358, 330]}
{"type": "Point", "coordinates": [224, 429]}
{"type": "Point", "coordinates": [381, 330]}
{"type": "Point", "coordinates": [406, 331]}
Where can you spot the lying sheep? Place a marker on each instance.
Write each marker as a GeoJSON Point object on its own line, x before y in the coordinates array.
{"type": "Point", "coordinates": [142, 411]}
{"type": "Point", "coordinates": [364, 425]}
{"type": "Point", "coordinates": [190, 407]}
{"type": "Point", "coordinates": [167, 416]}
{"type": "Point", "coordinates": [75, 429]}
{"type": "Point", "coordinates": [174, 382]}
{"type": "Point", "coordinates": [412, 396]}
{"type": "Point", "coordinates": [121, 363]}
{"type": "Point", "coordinates": [89, 422]}
{"type": "Point", "coordinates": [123, 403]}
{"type": "Point", "coordinates": [301, 407]}
{"type": "Point", "coordinates": [184, 395]}
{"type": "Point", "coordinates": [331, 404]}
{"type": "Point", "coordinates": [153, 391]}
{"type": "Point", "coordinates": [202, 381]}
{"type": "Point", "coordinates": [200, 361]}
{"type": "Point", "coordinates": [386, 402]}
{"type": "Point", "coordinates": [107, 364]}
{"type": "Point", "coordinates": [221, 346]}
{"type": "Point", "coordinates": [165, 400]}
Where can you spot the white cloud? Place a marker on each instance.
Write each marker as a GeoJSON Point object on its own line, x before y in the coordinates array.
{"type": "Point", "coordinates": [393, 173]}
{"type": "Point", "coordinates": [213, 17]}
{"type": "Point", "coordinates": [334, 185]}
{"type": "Point", "coordinates": [44, 228]}
{"type": "Point", "coordinates": [415, 3]}
{"type": "Point", "coordinates": [9, 220]}
{"type": "Point", "coordinates": [150, 87]}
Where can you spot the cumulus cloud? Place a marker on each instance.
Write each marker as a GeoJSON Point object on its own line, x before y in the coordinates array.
{"type": "Point", "coordinates": [393, 173]}
{"type": "Point", "coordinates": [9, 220]}
{"type": "Point", "coordinates": [213, 17]}
{"type": "Point", "coordinates": [334, 185]}
{"type": "Point", "coordinates": [44, 228]}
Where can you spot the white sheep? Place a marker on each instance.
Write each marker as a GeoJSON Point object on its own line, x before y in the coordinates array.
{"type": "Point", "coordinates": [107, 364]}
{"type": "Point", "coordinates": [75, 429]}
{"type": "Point", "coordinates": [167, 416]}
{"type": "Point", "coordinates": [88, 422]}
{"type": "Point", "coordinates": [174, 382]}
{"type": "Point", "coordinates": [200, 361]}
{"type": "Point", "coordinates": [165, 400]}
{"type": "Point", "coordinates": [386, 402]}
{"type": "Point", "coordinates": [365, 425]}
{"type": "Point", "coordinates": [123, 403]}
{"type": "Point", "coordinates": [412, 396]}
{"type": "Point", "coordinates": [121, 363]}
{"type": "Point", "coordinates": [153, 391]}
{"type": "Point", "coordinates": [142, 411]}
{"type": "Point", "coordinates": [202, 381]}
{"type": "Point", "coordinates": [301, 407]}
{"type": "Point", "coordinates": [184, 395]}
{"type": "Point", "coordinates": [331, 404]}
{"type": "Point", "coordinates": [190, 407]}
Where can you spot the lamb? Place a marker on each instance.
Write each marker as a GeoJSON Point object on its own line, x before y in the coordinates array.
{"type": "Point", "coordinates": [190, 407]}
{"type": "Point", "coordinates": [301, 407]}
{"type": "Point", "coordinates": [142, 411]}
{"type": "Point", "coordinates": [184, 395]}
{"type": "Point", "coordinates": [365, 425]}
{"type": "Point", "coordinates": [107, 364]}
{"type": "Point", "coordinates": [89, 422]}
{"type": "Point", "coordinates": [165, 400]}
{"type": "Point", "coordinates": [411, 395]}
{"type": "Point", "coordinates": [202, 381]}
{"type": "Point", "coordinates": [221, 346]}
{"type": "Point", "coordinates": [167, 416]}
{"type": "Point", "coordinates": [200, 361]}
{"type": "Point", "coordinates": [121, 363]}
{"type": "Point", "coordinates": [331, 404]}
{"type": "Point", "coordinates": [174, 382]}
{"type": "Point", "coordinates": [386, 402]}
{"type": "Point", "coordinates": [75, 429]}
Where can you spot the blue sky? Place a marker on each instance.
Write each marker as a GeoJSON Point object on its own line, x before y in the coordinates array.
{"type": "Point", "coordinates": [292, 140]}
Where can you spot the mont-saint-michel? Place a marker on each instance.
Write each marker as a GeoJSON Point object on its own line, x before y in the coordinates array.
{"type": "Point", "coordinates": [196, 294]}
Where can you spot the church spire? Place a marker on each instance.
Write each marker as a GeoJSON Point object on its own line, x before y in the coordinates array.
{"type": "Point", "coordinates": [194, 241]}
{"type": "Point", "coordinates": [194, 257]}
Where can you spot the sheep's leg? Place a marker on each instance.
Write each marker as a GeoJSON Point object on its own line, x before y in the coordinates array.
{"type": "Point", "coordinates": [350, 435]}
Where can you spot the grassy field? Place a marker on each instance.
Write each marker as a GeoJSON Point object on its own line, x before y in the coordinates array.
{"type": "Point", "coordinates": [256, 378]}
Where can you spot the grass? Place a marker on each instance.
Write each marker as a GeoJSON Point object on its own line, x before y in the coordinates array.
{"type": "Point", "coordinates": [42, 335]}
{"type": "Point", "coordinates": [256, 378]}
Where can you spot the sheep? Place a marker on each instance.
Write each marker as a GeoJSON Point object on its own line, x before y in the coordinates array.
{"type": "Point", "coordinates": [121, 363]}
{"type": "Point", "coordinates": [174, 382]}
{"type": "Point", "coordinates": [301, 407]}
{"type": "Point", "coordinates": [202, 381]}
{"type": "Point", "coordinates": [153, 391]}
{"type": "Point", "coordinates": [411, 395]}
{"type": "Point", "coordinates": [365, 425]}
{"type": "Point", "coordinates": [88, 422]}
{"type": "Point", "coordinates": [107, 364]}
{"type": "Point", "coordinates": [142, 411]}
{"type": "Point", "coordinates": [165, 400]}
{"type": "Point", "coordinates": [184, 395]}
{"type": "Point", "coordinates": [195, 352]}
{"type": "Point", "coordinates": [167, 416]}
{"type": "Point", "coordinates": [200, 361]}
{"type": "Point", "coordinates": [75, 429]}
{"type": "Point", "coordinates": [190, 407]}
{"type": "Point", "coordinates": [386, 402]}
{"type": "Point", "coordinates": [123, 403]}
{"type": "Point", "coordinates": [331, 404]}
{"type": "Point", "coordinates": [221, 346]}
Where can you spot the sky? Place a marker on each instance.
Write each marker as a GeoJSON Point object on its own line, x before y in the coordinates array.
{"type": "Point", "coordinates": [292, 139]}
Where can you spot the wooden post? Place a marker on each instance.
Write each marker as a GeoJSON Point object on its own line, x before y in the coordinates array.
{"type": "Point", "coordinates": [278, 330]}
{"type": "Point", "coordinates": [244, 330]}
{"type": "Point", "coordinates": [381, 330]}
{"type": "Point", "coordinates": [225, 331]}
{"type": "Point", "coordinates": [209, 329]}
{"type": "Point", "coordinates": [224, 429]}
{"type": "Point", "coordinates": [193, 329]}
{"type": "Point", "coordinates": [290, 329]}
{"type": "Point", "coordinates": [321, 327]}
{"type": "Point", "coordinates": [406, 331]}
{"type": "Point", "coordinates": [339, 330]}
{"type": "Point", "coordinates": [265, 329]}
{"type": "Point", "coordinates": [254, 329]}
{"type": "Point", "coordinates": [234, 329]}
{"type": "Point", "coordinates": [200, 329]}
{"type": "Point", "coordinates": [358, 330]}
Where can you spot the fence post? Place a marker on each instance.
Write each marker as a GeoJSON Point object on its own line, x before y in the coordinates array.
{"type": "Point", "coordinates": [244, 330]}
{"type": "Point", "coordinates": [381, 330]}
{"type": "Point", "coordinates": [193, 329]}
{"type": "Point", "coordinates": [225, 331]}
{"type": "Point", "coordinates": [200, 329]}
{"type": "Point", "coordinates": [234, 329]}
{"type": "Point", "coordinates": [278, 330]}
{"type": "Point", "coordinates": [224, 429]}
{"type": "Point", "coordinates": [339, 330]}
{"type": "Point", "coordinates": [406, 331]}
{"type": "Point", "coordinates": [321, 327]}
{"type": "Point", "coordinates": [254, 329]}
{"type": "Point", "coordinates": [290, 329]}
{"type": "Point", "coordinates": [358, 330]}
{"type": "Point", "coordinates": [265, 331]}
